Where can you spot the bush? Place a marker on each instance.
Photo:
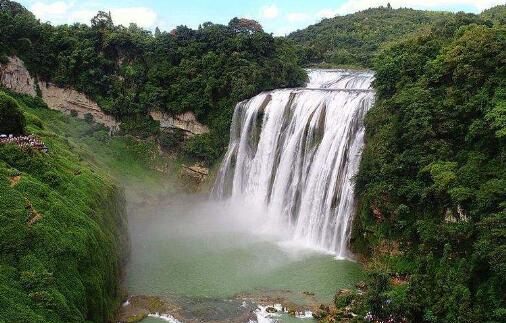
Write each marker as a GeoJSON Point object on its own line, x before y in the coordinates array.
{"type": "Point", "coordinates": [88, 117]}
{"type": "Point", "coordinates": [140, 126]}
{"type": "Point", "coordinates": [172, 139]}
{"type": "Point", "coordinates": [202, 147]}
{"type": "Point", "coordinates": [12, 120]}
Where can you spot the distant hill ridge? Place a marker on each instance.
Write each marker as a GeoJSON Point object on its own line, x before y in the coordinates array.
{"type": "Point", "coordinates": [354, 39]}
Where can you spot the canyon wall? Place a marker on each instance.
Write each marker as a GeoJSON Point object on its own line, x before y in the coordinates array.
{"type": "Point", "coordinates": [15, 77]}
{"type": "Point", "coordinates": [185, 121]}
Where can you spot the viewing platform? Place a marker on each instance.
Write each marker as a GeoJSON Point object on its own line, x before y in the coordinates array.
{"type": "Point", "coordinates": [24, 142]}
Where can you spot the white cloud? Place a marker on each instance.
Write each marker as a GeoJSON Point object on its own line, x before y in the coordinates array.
{"type": "Point", "coordinates": [297, 16]}
{"type": "Point", "coordinates": [142, 16]}
{"type": "Point", "coordinates": [270, 12]}
{"type": "Point", "coordinates": [50, 11]}
{"type": "Point", "coordinates": [327, 13]}
{"type": "Point", "coordinates": [61, 12]}
{"type": "Point", "coordinates": [356, 5]}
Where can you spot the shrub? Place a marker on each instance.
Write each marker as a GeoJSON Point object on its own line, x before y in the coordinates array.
{"type": "Point", "coordinates": [139, 125]}
{"type": "Point", "coordinates": [88, 117]}
{"type": "Point", "coordinates": [172, 139]}
{"type": "Point", "coordinates": [202, 147]}
{"type": "Point", "coordinates": [12, 120]}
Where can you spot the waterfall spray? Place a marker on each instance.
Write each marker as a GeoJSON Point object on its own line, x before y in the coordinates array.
{"type": "Point", "coordinates": [294, 153]}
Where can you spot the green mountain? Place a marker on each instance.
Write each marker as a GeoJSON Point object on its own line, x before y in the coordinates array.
{"type": "Point", "coordinates": [354, 39]}
{"type": "Point", "coordinates": [432, 181]}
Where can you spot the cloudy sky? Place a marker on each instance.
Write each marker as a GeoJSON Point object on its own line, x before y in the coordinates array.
{"type": "Point", "coordinates": [277, 16]}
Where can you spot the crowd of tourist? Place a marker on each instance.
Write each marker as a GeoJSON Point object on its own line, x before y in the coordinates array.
{"type": "Point", "coordinates": [23, 142]}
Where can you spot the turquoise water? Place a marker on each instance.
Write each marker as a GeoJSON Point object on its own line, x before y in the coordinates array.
{"type": "Point", "coordinates": [189, 250]}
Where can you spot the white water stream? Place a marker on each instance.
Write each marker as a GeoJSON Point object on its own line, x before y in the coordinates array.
{"type": "Point", "coordinates": [293, 153]}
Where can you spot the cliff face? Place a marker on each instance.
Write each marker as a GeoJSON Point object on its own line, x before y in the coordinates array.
{"type": "Point", "coordinates": [16, 78]}
{"type": "Point", "coordinates": [185, 121]}
{"type": "Point", "coordinates": [68, 100]}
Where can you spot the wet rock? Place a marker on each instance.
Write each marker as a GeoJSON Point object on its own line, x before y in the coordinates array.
{"type": "Point", "coordinates": [270, 309]}
{"type": "Point", "coordinates": [308, 293]}
{"type": "Point", "coordinates": [137, 308]}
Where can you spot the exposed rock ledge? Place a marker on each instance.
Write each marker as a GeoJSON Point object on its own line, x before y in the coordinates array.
{"type": "Point", "coordinates": [185, 121]}
{"type": "Point", "coordinates": [16, 77]}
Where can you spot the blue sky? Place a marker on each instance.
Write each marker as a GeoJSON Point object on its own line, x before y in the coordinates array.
{"type": "Point", "coordinates": [277, 16]}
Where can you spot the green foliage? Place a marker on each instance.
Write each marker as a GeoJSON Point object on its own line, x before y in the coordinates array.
{"type": "Point", "coordinates": [434, 167]}
{"type": "Point", "coordinates": [131, 72]}
{"type": "Point", "coordinates": [171, 140]}
{"type": "Point", "coordinates": [62, 232]}
{"type": "Point", "coordinates": [140, 126]}
{"type": "Point", "coordinates": [356, 38]}
{"type": "Point", "coordinates": [12, 120]}
{"type": "Point", "coordinates": [201, 147]}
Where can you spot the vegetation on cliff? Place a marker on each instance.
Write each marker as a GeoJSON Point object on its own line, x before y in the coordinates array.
{"type": "Point", "coordinates": [12, 120]}
{"type": "Point", "coordinates": [130, 71]}
{"type": "Point", "coordinates": [62, 231]}
{"type": "Point", "coordinates": [432, 182]}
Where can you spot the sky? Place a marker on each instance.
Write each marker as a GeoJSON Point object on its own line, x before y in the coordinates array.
{"type": "Point", "coordinates": [279, 17]}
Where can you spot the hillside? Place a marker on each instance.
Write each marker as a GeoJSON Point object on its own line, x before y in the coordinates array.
{"type": "Point", "coordinates": [354, 39]}
{"type": "Point", "coordinates": [130, 72]}
{"type": "Point", "coordinates": [62, 223]}
{"type": "Point", "coordinates": [432, 181]}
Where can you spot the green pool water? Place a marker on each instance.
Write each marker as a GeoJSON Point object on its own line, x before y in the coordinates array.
{"type": "Point", "coordinates": [193, 250]}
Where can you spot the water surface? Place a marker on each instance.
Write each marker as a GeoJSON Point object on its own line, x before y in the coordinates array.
{"type": "Point", "coordinates": [204, 254]}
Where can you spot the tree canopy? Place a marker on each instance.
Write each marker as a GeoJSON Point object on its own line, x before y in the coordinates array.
{"type": "Point", "coordinates": [130, 72]}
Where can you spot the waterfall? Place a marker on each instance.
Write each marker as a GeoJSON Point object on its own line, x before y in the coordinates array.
{"type": "Point", "coordinates": [293, 152]}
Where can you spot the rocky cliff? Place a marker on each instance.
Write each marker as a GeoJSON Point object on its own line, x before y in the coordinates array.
{"type": "Point", "coordinates": [185, 121]}
{"type": "Point", "coordinates": [16, 78]}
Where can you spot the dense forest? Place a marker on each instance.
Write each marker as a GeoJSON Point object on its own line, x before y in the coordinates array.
{"type": "Point", "coordinates": [130, 71]}
{"type": "Point", "coordinates": [354, 39]}
{"type": "Point", "coordinates": [432, 182]}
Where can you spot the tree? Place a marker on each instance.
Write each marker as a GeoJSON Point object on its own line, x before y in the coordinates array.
{"type": "Point", "coordinates": [102, 20]}
{"type": "Point", "coordinates": [12, 120]}
{"type": "Point", "coordinates": [243, 25]}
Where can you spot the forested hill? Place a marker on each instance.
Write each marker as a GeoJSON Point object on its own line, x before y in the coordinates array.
{"type": "Point", "coordinates": [356, 38]}
{"type": "Point", "coordinates": [432, 181]}
{"type": "Point", "coordinates": [129, 71]}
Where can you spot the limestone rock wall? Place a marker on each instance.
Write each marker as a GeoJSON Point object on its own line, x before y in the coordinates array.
{"type": "Point", "coordinates": [68, 100]}
{"type": "Point", "coordinates": [16, 78]}
{"type": "Point", "coordinates": [185, 121]}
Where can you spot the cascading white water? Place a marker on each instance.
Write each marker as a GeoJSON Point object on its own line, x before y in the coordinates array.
{"type": "Point", "coordinates": [294, 152]}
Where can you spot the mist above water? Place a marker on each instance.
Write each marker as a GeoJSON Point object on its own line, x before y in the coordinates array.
{"type": "Point", "coordinates": [212, 249]}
